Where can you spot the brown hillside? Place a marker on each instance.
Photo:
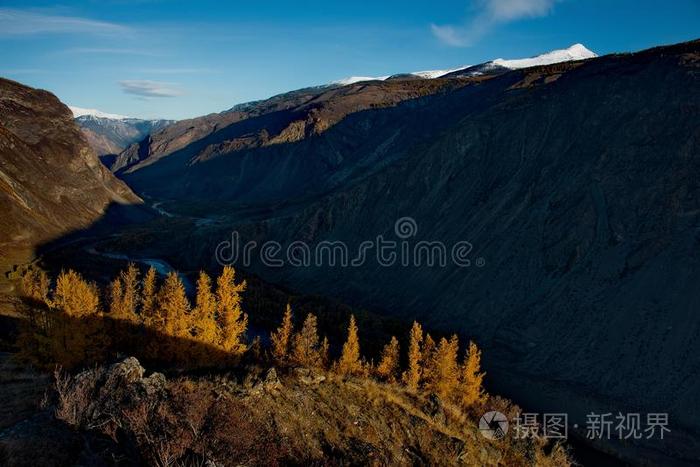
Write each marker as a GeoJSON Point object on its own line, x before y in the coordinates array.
{"type": "Point", "coordinates": [51, 182]}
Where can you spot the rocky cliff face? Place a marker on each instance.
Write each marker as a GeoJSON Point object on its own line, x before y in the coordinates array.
{"type": "Point", "coordinates": [575, 183]}
{"type": "Point", "coordinates": [50, 180]}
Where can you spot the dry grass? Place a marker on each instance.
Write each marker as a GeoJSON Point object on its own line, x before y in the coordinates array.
{"type": "Point", "coordinates": [309, 418]}
{"type": "Point", "coordinates": [305, 417]}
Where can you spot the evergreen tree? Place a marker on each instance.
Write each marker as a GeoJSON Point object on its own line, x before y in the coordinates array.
{"type": "Point", "coordinates": [389, 365]}
{"type": "Point", "coordinates": [472, 378]}
{"type": "Point", "coordinates": [233, 322]}
{"type": "Point", "coordinates": [349, 363]}
{"type": "Point", "coordinates": [282, 337]}
{"type": "Point", "coordinates": [306, 348]}
{"type": "Point", "coordinates": [411, 377]}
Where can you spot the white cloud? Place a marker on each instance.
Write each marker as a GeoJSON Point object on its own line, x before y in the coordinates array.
{"type": "Point", "coordinates": [25, 22]}
{"type": "Point", "coordinates": [488, 14]}
{"type": "Point", "coordinates": [509, 10]}
{"type": "Point", "coordinates": [147, 88]}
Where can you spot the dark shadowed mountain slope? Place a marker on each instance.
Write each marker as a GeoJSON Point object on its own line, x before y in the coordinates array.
{"type": "Point", "coordinates": [577, 186]}
{"type": "Point", "coordinates": [50, 179]}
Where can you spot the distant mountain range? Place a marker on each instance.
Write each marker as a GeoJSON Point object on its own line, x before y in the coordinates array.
{"type": "Point", "coordinates": [109, 134]}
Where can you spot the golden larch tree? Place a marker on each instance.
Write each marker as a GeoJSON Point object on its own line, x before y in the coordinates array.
{"type": "Point", "coordinates": [306, 349]}
{"type": "Point", "coordinates": [74, 296]}
{"type": "Point", "coordinates": [232, 321]}
{"type": "Point", "coordinates": [281, 338]}
{"type": "Point", "coordinates": [173, 306]}
{"type": "Point", "coordinates": [35, 285]}
{"type": "Point", "coordinates": [389, 364]}
{"type": "Point", "coordinates": [119, 315]}
{"type": "Point", "coordinates": [130, 292]}
{"type": "Point", "coordinates": [116, 300]}
{"type": "Point", "coordinates": [446, 371]}
{"type": "Point", "coordinates": [471, 389]}
{"type": "Point", "coordinates": [148, 297]}
{"type": "Point", "coordinates": [78, 334]}
{"type": "Point", "coordinates": [411, 377]}
{"type": "Point", "coordinates": [36, 339]}
{"type": "Point", "coordinates": [428, 371]}
{"type": "Point", "coordinates": [324, 353]}
{"type": "Point", "coordinates": [350, 362]}
{"type": "Point", "coordinates": [204, 312]}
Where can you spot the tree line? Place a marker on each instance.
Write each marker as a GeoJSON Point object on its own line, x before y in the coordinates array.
{"type": "Point", "coordinates": [73, 322]}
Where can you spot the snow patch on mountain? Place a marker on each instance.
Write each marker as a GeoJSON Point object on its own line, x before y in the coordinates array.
{"type": "Point", "coordinates": [431, 74]}
{"type": "Point", "coordinates": [575, 52]}
{"type": "Point", "coordinates": [79, 112]}
{"type": "Point", "coordinates": [359, 79]}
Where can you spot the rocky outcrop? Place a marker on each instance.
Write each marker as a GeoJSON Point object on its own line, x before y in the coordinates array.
{"type": "Point", "coordinates": [51, 181]}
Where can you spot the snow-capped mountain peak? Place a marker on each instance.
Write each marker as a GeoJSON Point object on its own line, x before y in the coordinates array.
{"type": "Point", "coordinates": [79, 112]}
{"type": "Point", "coordinates": [575, 52]}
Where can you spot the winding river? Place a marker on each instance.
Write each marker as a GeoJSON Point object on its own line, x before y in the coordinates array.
{"type": "Point", "coordinates": [162, 267]}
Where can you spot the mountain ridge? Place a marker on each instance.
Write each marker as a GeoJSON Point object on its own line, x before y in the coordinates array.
{"type": "Point", "coordinates": [575, 52]}
{"type": "Point", "coordinates": [312, 107]}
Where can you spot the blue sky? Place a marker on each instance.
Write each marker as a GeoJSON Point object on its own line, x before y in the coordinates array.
{"type": "Point", "coordinates": [179, 59]}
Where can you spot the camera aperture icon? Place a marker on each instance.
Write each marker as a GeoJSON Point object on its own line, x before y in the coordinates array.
{"type": "Point", "coordinates": [493, 425]}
